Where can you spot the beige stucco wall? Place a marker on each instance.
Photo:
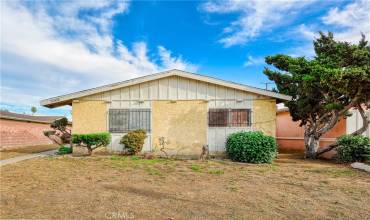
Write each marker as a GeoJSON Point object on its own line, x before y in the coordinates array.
{"type": "Point", "coordinates": [182, 123]}
{"type": "Point", "coordinates": [264, 116]}
{"type": "Point", "coordinates": [89, 117]}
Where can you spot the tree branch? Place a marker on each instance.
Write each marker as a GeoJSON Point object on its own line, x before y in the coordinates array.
{"type": "Point", "coordinates": [365, 121]}
{"type": "Point", "coordinates": [365, 125]}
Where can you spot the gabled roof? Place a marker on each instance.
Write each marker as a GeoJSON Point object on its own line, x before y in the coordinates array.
{"type": "Point", "coordinates": [67, 99]}
{"type": "Point", "coordinates": [28, 118]}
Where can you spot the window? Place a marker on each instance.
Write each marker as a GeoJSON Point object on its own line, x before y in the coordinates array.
{"type": "Point", "coordinates": [124, 120]}
{"type": "Point", "coordinates": [229, 117]}
{"type": "Point", "coordinates": [218, 117]}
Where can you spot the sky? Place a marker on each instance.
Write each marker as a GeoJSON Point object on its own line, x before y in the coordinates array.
{"type": "Point", "coordinates": [50, 48]}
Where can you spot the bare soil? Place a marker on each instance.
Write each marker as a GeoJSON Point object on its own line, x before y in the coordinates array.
{"type": "Point", "coordinates": [6, 154]}
{"type": "Point", "coordinates": [117, 187]}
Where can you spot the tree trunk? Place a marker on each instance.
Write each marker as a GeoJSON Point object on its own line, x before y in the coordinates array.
{"type": "Point", "coordinates": [311, 145]}
{"type": "Point", "coordinates": [89, 150]}
{"type": "Point", "coordinates": [365, 121]}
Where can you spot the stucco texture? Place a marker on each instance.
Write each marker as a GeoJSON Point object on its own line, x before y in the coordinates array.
{"type": "Point", "coordinates": [89, 117]}
{"type": "Point", "coordinates": [183, 124]}
{"type": "Point", "coordinates": [264, 116]}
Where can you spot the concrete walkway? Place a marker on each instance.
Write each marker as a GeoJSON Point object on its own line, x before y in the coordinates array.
{"type": "Point", "coordinates": [27, 157]}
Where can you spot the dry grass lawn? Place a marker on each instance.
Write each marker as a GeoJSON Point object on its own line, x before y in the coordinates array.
{"type": "Point", "coordinates": [105, 187]}
{"type": "Point", "coordinates": [6, 154]}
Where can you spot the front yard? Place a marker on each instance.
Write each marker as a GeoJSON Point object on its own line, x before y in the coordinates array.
{"type": "Point", "coordinates": [116, 187]}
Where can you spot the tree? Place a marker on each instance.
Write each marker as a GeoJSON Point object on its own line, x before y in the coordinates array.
{"type": "Point", "coordinates": [33, 110]}
{"type": "Point", "coordinates": [60, 134]}
{"type": "Point", "coordinates": [324, 88]}
{"type": "Point", "coordinates": [350, 76]}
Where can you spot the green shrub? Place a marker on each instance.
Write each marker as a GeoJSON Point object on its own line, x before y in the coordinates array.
{"type": "Point", "coordinates": [353, 148]}
{"type": "Point", "coordinates": [91, 141]}
{"type": "Point", "coordinates": [134, 141]}
{"type": "Point", "coordinates": [64, 150]}
{"type": "Point", "coordinates": [251, 147]}
{"type": "Point", "coordinates": [60, 124]}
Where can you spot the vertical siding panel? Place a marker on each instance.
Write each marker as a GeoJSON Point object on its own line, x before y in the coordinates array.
{"type": "Point", "coordinates": [125, 93]}
{"type": "Point", "coordinates": [220, 96]}
{"type": "Point", "coordinates": [230, 96]}
{"type": "Point", "coordinates": [116, 95]}
{"type": "Point", "coordinates": [163, 88]}
{"type": "Point", "coordinates": [201, 90]}
{"type": "Point", "coordinates": [211, 95]}
{"type": "Point", "coordinates": [106, 96]}
{"type": "Point", "coordinates": [182, 88]}
{"type": "Point", "coordinates": [134, 92]}
{"type": "Point", "coordinates": [220, 138]}
{"type": "Point", "coordinates": [125, 96]}
{"type": "Point", "coordinates": [239, 96]}
{"type": "Point", "coordinates": [134, 96]}
{"type": "Point", "coordinates": [172, 90]}
{"type": "Point", "coordinates": [153, 90]}
{"type": "Point", "coordinates": [144, 91]}
{"type": "Point", "coordinates": [192, 90]}
{"type": "Point", "coordinates": [247, 103]}
{"type": "Point", "coordinates": [211, 139]}
{"type": "Point", "coordinates": [115, 104]}
{"type": "Point", "coordinates": [125, 104]}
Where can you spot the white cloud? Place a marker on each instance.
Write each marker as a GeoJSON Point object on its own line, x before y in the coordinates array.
{"type": "Point", "coordinates": [174, 62]}
{"type": "Point", "coordinates": [347, 24]}
{"type": "Point", "coordinates": [251, 61]}
{"type": "Point", "coordinates": [51, 48]}
{"type": "Point", "coordinates": [353, 19]}
{"type": "Point", "coordinates": [255, 17]}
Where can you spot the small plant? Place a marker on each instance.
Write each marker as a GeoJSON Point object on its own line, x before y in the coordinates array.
{"type": "Point", "coordinates": [135, 158]}
{"type": "Point", "coordinates": [91, 141]}
{"type": "Point", "coordinates": [134, 141]}
{"type": "Point", "coordinates": [116, 157]}
{"type": "Point", "coordinates": [216, 172]}
{"type": "Point", "coordinates": [64, 150]}
{"type": "Point", "coordinates": [251, 147]}
{"type": "Point", "coordinates": [162, 145]}
{"type": "Point", "coordinates": [353, 148]}
{"type": "Point", "coordinates": [195, 167]}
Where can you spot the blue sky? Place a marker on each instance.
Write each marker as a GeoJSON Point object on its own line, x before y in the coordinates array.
{"type": "Point", "coordinates": [49, 48]}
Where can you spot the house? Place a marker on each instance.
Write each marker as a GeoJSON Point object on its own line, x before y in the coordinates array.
{"type": "Point", "coordinates": [290, 136]}
{"type": "Point", "coordinates": [21, 130]}
{"type": "Point", "coordinates": [184, 109]}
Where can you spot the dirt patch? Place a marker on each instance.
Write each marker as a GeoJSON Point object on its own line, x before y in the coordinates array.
{"type": "Point", "coordinates": [118, 187]}
{"type": "Point", "coordinates": [6, 154]}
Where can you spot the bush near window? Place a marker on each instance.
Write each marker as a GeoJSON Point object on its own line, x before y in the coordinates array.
{"type": "Point", "coordinates": [353, 148]}
{"type": "Point", "coordinates": [251, 147]}
{"type": "Point", "coordinates": [134, 141]}
{"type": "Point", "coordinates": [91, 141]}
{"type": "Point", "coordinates": [64, 150]}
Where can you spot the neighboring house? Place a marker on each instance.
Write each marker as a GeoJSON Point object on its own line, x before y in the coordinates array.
{"type": "Point", "coordinates": [188, 110]}
{"type": "Point", "coordinates": [20, 130]}
{"type": "Point", "coordinates": [290, 135]}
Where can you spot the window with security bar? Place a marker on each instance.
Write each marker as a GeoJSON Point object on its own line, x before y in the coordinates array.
{"type": "Point", "coordinates": [124, 120]}
{"type": "Point", "coordinates": [229, 117]}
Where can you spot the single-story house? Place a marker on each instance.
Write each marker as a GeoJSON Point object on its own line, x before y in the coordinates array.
{"type": "Point", "coordinates": [290, 136]}
{"type": "Point", "coordinates": [21, 130]}
{"type": "Point", "coordinates": [184, 109]}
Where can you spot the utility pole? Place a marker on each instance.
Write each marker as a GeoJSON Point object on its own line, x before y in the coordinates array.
{"type": "Point", "coordinates": [267, 84]}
